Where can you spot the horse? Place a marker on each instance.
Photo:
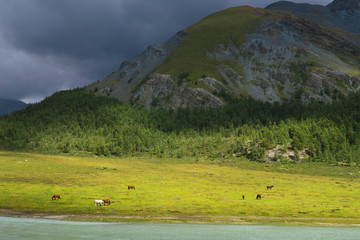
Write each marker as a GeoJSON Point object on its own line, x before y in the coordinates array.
{"type": "Point", "coordinates": [106, 201]}
{"type": "Point", "coordinates": [131, 187]}
{"type": "Point", "coordinates": [243, 196]}
{"type": "Point", "coordinates": [269, 187]}
{"type": "Point", "coordinates": [55, 197]}
{"type": "Point", "coordinates": [97, 202]}
{"type": "Point", "coordinates": [258, 197]}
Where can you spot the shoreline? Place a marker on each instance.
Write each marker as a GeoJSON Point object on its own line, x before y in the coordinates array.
{"type": "Point", "coordinates": [191, 219]}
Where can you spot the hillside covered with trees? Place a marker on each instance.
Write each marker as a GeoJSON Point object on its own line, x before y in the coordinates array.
{"type": "Point", "coordinates": [78, 123]}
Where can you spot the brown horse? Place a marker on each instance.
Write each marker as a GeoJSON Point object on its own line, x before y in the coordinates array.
{"type": "Point", "coordinates": [243, 196]}
{"type": "Point", "coordinates": [106, 201]}
{"type": "Point", "coordinates": [258, 197]}
{"type": "Point", "coordinates": [131, 187]}
{"type": "Point", "coordinates": [55, 197]}
{"type": "Point", "coordinates": [269, 187]}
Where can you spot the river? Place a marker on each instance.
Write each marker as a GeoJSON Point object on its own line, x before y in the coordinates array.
{"type": "Point", "coordinates": [28, 228]}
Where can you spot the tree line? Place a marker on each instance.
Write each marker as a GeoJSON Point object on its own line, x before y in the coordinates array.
{"type": "Point", "coordinates": [76, 122]}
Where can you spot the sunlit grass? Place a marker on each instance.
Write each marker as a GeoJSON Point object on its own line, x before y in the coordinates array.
{"type": "Point", "coordinates": [28, 181]}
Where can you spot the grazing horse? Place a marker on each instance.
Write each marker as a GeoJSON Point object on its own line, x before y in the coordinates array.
{"type": "Point", "coordinates": [269, 187]}
{"type": "Point", "coordinates": [98, 202]}
{"type": "Point", "coordinates": [55, 197]}
{"type": "Point", "coordinates": [131, 187]}
{"type": "Point", "coordinates": [106, 201]}
{"type": "Point", "coordinates": [258, 197]}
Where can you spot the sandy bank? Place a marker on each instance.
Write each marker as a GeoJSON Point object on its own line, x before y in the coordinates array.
{"type": "Point", "coordinates": [197, 219]}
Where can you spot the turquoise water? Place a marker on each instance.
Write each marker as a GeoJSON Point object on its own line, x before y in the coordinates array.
{"type": "Point", "coordinates": [26, 228]}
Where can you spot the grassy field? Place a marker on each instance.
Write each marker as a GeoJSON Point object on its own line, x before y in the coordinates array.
{"type": "Point", "coordinates": [183, 190]}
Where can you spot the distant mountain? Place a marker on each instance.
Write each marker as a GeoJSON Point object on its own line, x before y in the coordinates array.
{"type": "Point", "coordinates": [344, 14]}
{"type": "Point", "coordinates": [287, 51]}
{"type": "Point", "coordinates": [8, 106]}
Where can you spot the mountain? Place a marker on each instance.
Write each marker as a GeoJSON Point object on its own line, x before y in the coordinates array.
{"type": "Point", "coordinates": [239, 63]}
{"type": "Point", "coordinates": [344, 14]}
{"type": "Point", "coordinates": [273, 55]}
{"type": "Point", "coordinates": [8, 106]}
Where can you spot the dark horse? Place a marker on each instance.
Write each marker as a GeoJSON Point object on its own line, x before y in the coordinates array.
{"type": "Point", "coordinates": [55, 197]}
{"type": "Point", "coordinates": [107, 201]}
{"type": "Point", "coordinates": [131, 187]}
{"type": "Point", "coordinates": [269, 187]}
{"type": "Point", "coordinates": [258, 197]}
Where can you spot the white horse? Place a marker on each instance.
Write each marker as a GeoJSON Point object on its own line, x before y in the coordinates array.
{"type": "Point", "coordinates": [97, 202]}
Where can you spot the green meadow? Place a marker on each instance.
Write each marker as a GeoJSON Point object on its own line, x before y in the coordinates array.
{"type": "Point", "coordinates": [178, 189]}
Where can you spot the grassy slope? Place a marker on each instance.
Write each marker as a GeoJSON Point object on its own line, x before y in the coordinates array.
{"type": "Point", "coordinates": [170, 188]}
{"type": "Point", "coordinates": [223, 27]}
{"type": "Point", "coordinates": [230, 26]}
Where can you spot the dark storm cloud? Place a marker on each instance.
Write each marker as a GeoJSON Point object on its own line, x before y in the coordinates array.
{"type": "Point", "coordinates": [49, 45]}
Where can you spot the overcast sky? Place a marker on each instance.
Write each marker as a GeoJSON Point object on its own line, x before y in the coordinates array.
{"type": "Point", "coordinates": [52, 45]}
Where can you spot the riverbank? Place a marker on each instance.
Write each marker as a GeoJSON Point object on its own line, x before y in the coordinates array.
{"type": "Point", "coordinates": [199, 219]}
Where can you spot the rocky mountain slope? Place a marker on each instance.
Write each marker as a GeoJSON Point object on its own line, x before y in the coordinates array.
{"type": "Point", "coordinates": [265, 54]}
{"type": "Point", "coordinates": [343, 14]}
{"type": "Point", "coordinates": [8, 106]}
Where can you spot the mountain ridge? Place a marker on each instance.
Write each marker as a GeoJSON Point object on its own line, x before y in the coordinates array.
{"type": "Point", "coordinates": [344, 14]}
{"type": "Point", "coordinates": [8, 106]}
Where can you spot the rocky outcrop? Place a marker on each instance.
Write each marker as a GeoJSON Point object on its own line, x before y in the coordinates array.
{"type": "Point", "coordinates": [280, 153]}
{"type": "Point", "coordinates": [160, 90]}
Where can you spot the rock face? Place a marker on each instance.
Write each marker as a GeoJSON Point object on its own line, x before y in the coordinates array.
{"type": "Point", "coordinates": [344, 14]}
{"type": "Point", "coordinates": [302, 54]}
{"type": "Point", "coordinates": [161, 90]}
{"type": "Point", "coordinates": [348, 7]}
{"type": "Point", "coordinates": [348, 14]}
{"type": "Point", "coordinates": [282, 58]}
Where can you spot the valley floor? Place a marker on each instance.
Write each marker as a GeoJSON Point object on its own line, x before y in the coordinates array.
{"type": "Point", "coordinates": [177, 191]}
